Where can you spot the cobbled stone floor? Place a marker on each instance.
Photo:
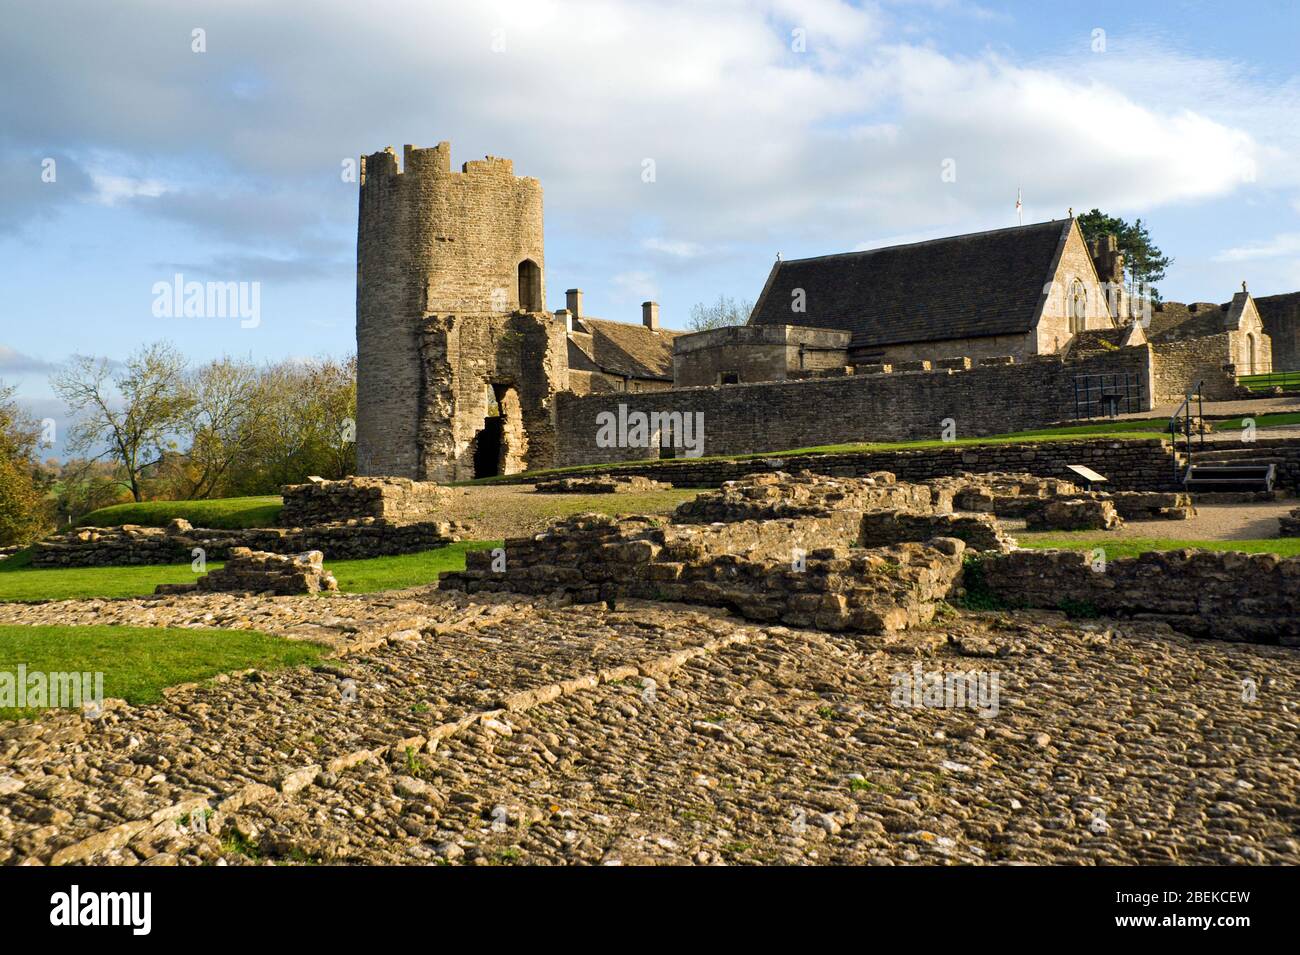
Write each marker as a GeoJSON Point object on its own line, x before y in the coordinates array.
{"type": "Point", "coordinates": [444, 729]}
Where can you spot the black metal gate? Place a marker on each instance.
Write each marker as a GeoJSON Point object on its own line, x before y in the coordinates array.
{"type": "Point", "coordinates": [1108, 395]}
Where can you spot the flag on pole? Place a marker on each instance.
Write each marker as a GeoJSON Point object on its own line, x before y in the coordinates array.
{"type": "Point", "coordinates": [1020, 209]}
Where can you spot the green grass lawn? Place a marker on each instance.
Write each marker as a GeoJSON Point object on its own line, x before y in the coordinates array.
{"type": "Point", "coordinates": [1132, 546]}
{"type": "Point", "coordinates": [19, 581]}
{"type": "Point", "coordinates": [551, 506]}
{"type": "Point", "coordinates": [404, 570]}
{"type": "Point", "coordinates": [1287, 379]}
{"type": "Point", "coordinates": [226, 512]}
{"type": "Point", "coordinates": [138, 662]}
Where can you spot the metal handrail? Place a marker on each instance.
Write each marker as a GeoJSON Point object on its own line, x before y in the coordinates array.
{"type": "Point", "coordinates": [1187, 429]}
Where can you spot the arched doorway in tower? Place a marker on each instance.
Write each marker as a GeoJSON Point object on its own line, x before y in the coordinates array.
{"type": "Point", "coordinates": [501, 444]}
{"type": "Point", "coordinates": [530, 286]}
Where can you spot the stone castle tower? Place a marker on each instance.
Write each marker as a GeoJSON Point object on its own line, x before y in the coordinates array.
{"type": "Point", "coordinates": [457, 358]}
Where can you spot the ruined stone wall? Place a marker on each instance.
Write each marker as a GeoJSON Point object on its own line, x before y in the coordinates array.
{"type": "Point", "coordinates": [1019, 347]}
{"type": "Point", "coordinates": [249, 571]}
{"type": "Point", "coordinates": [777, 495]}
{"type": "Point", "coordinates": [1180, 364]}
{"type": "Point", "coordinates": [747, 567]}
{"type": "Point", "coordinates": [755, 353]}
{"type": "Point", "coordinates": [738, 419]}
{"type": "Point", "coordinates": [471, 362]}
{"type": "Point", "coordinates": [131, 545]}
{"type": "Point", "coordinates": [1281, 317]}
{"type": "Point", "coordinates": [394, 499]}
{"type": "Point", "coordinates": [1226, 595]}
{"type": "Point", "coordinates": [430, 240]}
{"type": "Point", "coordinates": [1139, 464]}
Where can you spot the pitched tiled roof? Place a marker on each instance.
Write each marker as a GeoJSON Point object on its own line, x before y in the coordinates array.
{"type": "Point", "coordinates": [965, 286]}
{"type": "Point", "coordinates": [631, 351]}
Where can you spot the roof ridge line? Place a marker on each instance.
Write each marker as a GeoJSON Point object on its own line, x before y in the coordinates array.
{"type": "Point", "coordinates": [943, 238]}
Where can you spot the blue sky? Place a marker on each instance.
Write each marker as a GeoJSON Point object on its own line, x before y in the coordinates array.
{"type": "Point", "coordinates": [225, 165]}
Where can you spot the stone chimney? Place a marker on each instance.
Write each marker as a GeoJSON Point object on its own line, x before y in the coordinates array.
{"type": "Point", "coordinates": [650, 315]}
{"type": "Point", "coordinates": [1109, 262]}
{"type": "Point", "coordinates": [573, 302]}
{"type": "Point", "coordinates": [566, 316]}
{"type": "Point", "coordinates": [1107, 258]}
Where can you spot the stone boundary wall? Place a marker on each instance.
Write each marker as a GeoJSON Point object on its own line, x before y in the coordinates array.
{"type": "Point", "coordinates": [1130, 465]}
{"type": "Point", "coordinates": [131, 544]}
{"type": "Point", "coordinates": [1222, 594]}
{"type": "Point", "coordinates": [1180, 363]}
{"type": "Point", "coordinates": [899, 406]}
{"type": "Point", "coordinates": [387, 498]}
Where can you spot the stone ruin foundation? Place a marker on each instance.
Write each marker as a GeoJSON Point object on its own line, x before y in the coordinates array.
{"type": "Point", "coordinates": [398, 500]}
{"type": "Point", "coordinates": [804, 550]}
{"type": "Point", "coordinates": [349, 519]}
{"type": "Point", "coordinates": [840, 554]}
{"type": "Point", "coordinates": [1074, 515]}
{"type": "Point", "coordinates": [257, 572]}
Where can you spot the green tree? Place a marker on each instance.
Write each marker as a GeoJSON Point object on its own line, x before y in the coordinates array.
{"type": "Point", "coordinates": [133, 413]}
{"type": "Point", "coordinates": [725, 311]}
{"type": "Point", "coordinates": [1145, 263]}
{"type": "Point", "coordinates": [24, 510]}
{"type": "Point", "coordinates": [304, 425]}
{"type": "Point", "coordinates": [222, 424]}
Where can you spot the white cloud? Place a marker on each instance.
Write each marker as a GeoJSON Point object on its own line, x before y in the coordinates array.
{"type": "Point", "coordinates": [1286, 243]}
{"type": "Point", "coordinates": [754, 144]}
{"type": "Point", "coordinates": [14, 362]}
{"type": "Point", "coordinates": [675, 248]}
{"type": "Point", "coordinates": [112, 189]}
{"type": "Point", "coordinates": [636, 285]}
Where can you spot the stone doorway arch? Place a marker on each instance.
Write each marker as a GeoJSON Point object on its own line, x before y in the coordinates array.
{"type": "Point", "coordinates": [501, 445]}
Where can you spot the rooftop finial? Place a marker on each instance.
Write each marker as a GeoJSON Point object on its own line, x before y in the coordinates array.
{"type": "Point", "coordinates": [1243, 285]}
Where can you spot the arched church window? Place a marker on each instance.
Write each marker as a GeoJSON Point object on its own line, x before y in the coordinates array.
{"type": "Point", "coordinates": [1078, 307]}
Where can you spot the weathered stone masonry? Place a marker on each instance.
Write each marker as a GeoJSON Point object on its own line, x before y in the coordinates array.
{"type": "Point", "coordinates": [1229, 596]}
{"type": "Point", "coordinates": [442, 255]}
{"type": "Point", "coordinates": [740, 419]}
{"type": "Point", "coordinates": [1139, 464]}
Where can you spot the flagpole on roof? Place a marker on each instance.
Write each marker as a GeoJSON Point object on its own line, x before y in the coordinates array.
{"type": "Point", "coordinates": [1020, 209]}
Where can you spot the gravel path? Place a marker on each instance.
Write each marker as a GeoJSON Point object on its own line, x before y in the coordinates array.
{"type": "Point", "coordinates": [1212, 522]}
